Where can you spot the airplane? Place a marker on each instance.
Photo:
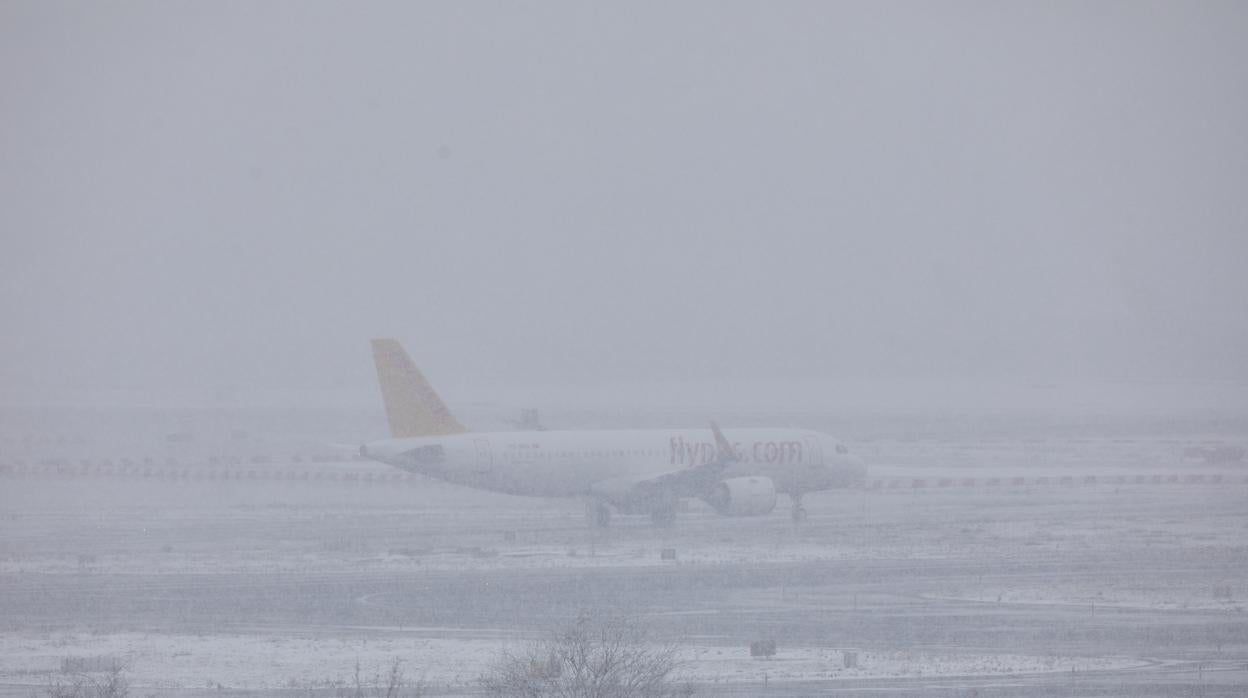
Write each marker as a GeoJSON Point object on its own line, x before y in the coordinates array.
{"type": "Point", "coordinates": [738, 472]}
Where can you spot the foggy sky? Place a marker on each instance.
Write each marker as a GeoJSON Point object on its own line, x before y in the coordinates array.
{"type": "Point", "coordinates": [236, 196]}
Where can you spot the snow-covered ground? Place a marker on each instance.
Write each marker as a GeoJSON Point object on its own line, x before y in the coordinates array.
{"type": "Point", "coordinates": [159, 528]}
{"type": "Point", "coordinates": [1224, 593]}
{"type": "Point", "coordinates": [249, 661]}
{"type": "Point", "coordinates": [1117, 545]}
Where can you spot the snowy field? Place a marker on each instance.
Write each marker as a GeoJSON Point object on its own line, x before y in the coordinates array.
{"type": "Point", "coordinates": [171, 661]}
{"type": "Point", "coordinates": [280, 587]}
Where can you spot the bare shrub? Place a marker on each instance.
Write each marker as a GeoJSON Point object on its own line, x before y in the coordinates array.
{"type": "Point", "coordinates": [612, 658]}
{"type": "Point", "coordinates": [110, 684]}
{"type": "Point", "coordinates": [392, 684]}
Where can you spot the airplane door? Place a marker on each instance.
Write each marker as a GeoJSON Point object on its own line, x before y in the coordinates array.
{"type": "Point", "coordinates": [815, 454]}
{"type": "Point", "coordinates": [485, 456]}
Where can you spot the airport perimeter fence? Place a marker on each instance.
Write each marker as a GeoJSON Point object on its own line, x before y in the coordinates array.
{"type": "Point", "coordinates": [318, 468]}
{"type": "Point", "coordinates": [1055, 481]}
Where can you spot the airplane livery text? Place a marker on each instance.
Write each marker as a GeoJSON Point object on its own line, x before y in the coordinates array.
{"type": "Point", "coordinates": [691, 453]}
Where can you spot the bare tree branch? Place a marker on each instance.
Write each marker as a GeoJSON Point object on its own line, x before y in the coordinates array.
{"type": "Point", "coordinates": [611, 658]}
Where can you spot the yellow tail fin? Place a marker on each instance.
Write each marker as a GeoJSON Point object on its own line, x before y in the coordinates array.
{"type": "Point", "coordinates": [412, 406]}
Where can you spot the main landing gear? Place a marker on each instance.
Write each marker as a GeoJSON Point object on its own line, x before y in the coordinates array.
{"type": "Point", "coordinates": [799, 511]}
{"type": "Point", "coordinates": [598, 513]}
{"type": "Point", "coordinates": [663, 516]}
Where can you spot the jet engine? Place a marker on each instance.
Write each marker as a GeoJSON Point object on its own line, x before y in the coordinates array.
{"type": "Point", "coordinates": [744, 496]}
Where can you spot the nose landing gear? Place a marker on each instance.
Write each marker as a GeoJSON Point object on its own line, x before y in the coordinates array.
{"type": "Point", "coordinates": [799, 511]}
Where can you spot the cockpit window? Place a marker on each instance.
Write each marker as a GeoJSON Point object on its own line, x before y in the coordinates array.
{"type": "Point", "coordinates": [840, 448]}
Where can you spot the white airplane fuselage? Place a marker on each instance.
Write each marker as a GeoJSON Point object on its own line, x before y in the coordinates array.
{"type": "Point", "coordinates": [738, 472]}
{"type": "Point", "coordinates": [576, 463]}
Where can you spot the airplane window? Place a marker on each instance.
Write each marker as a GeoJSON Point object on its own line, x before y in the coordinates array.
{"type": "Point", "coordinates": [427, 455]}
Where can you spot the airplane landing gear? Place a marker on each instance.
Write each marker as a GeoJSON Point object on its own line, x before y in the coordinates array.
{"type": "Point", "coordinates": [598, 513]}
{"type": "Point", "coordinates": [663, 516]}
{"type": "Point", "coordinates": [799, 511]}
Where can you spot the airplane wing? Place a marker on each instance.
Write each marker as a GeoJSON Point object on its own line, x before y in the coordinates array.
{"type": "Point", "coordinates": [695, 481]}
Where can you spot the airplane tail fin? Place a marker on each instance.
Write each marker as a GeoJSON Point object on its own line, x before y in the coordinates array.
{"type": "Point", "coordinates": [412, 406]}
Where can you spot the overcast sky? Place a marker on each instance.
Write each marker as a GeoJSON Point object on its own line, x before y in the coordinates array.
{"type": "Point", "coordinates": [220, 196]}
